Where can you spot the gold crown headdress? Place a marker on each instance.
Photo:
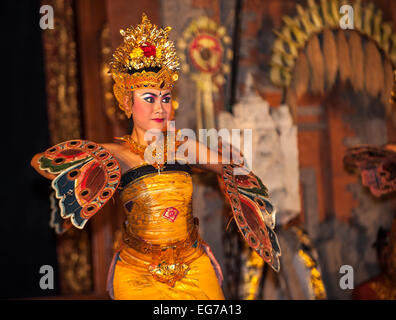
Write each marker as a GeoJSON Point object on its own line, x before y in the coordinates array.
{"type": "Point", "coordinates": [146, 58]}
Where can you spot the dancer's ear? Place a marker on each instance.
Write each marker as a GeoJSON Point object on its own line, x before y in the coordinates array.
{"type": "Point", "coordinates": [128, 104]}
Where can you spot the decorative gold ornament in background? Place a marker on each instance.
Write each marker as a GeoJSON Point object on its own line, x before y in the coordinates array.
{"type": "Point", "coordinates": [252, 272]}
{"type": "Point", "coordinates": [309, 258]}
{"type": "Point", "coordinates": [60, 56]}
{"type": "Point", "coordinates": [204, 55]}
{"type": "Point", "coordinates": [303, 62]}
{"type": "Point", "coordinates": [115, 116]}
{"type": "Point", "coordinates": [392, 105]}
{"type": "Point", "coordinates": [315, 19]}
{"type": "Point", "coordinates": [74, 261]}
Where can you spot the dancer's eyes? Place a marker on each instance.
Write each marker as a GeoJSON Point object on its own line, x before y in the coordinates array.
{"type": "Point", "coordinates": [149, 99]}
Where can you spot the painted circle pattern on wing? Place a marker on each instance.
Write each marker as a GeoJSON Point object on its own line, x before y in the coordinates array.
{"type": "Point", "coordinates": [90, 171]}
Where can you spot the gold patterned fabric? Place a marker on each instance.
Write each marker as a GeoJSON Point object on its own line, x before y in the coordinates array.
{"type": "Point", "coordinates": [162, 256]}
{"type": "Point", "coordinates": [151, 195]}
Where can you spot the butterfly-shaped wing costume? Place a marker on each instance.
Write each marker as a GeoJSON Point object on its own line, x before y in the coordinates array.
{"type": "Point", "coordinates": [87, 177]}
{"type": "Point", "coordinates": [252, 211]}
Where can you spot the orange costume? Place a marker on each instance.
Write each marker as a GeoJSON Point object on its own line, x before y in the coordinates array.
{"type": "Point", "coordinates": [164, 257]}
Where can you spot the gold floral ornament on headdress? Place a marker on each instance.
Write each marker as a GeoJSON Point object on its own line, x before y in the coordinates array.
{"type": "Point", "coordinates": [146, 58]}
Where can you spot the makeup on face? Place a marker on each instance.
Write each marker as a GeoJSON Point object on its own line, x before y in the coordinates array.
{"type": "Point", "coordinates": [151, 97]}
{"type": "Point", "coordinates": [151, 108]}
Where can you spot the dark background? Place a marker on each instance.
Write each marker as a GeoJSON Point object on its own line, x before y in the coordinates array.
{"type": "Point", "coordinates": [26, 240]}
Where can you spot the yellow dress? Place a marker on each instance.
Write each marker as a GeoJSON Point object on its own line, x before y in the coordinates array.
{"type": "Point", "coordinates": [162, 256]}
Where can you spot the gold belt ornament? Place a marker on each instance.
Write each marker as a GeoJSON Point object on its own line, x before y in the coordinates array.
{"type": "Point", "coordinates": [169, 273]}
{"type": "Point", "coordinates": [168, 261]}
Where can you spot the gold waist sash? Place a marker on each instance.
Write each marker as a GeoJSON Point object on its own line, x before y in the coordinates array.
{"type": "Point", "coordinates": [167, 262]}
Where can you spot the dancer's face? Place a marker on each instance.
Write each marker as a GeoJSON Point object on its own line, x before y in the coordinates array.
{"type": "Point", "coordinates": [151, 108]}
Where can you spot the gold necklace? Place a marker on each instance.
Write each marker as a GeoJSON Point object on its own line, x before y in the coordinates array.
{"type": "Point", "coordinates": [159, 154]}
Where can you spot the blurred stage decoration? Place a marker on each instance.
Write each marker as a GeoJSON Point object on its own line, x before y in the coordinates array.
{"type": "Point", "coordinates": [311, 50]}
{"type": "Point", "coordinates": [116, 117]}
{"type": "Point", "coordinates": [204, 55]}
{"type": "Point", "coordinates": [299, 278]}
{"type": "Point", "coordinates": [306, 262]}
{"type": "Point", "coordinates": [383, 286]}
{"type": "Point", "coordinates": [377, 168]}
{"type": "Point", "coordinates": [375, 165]}
{"type": "Point", "coordinates": [60, 54]}
{"type": "Point", "coordinates": [60, 57]}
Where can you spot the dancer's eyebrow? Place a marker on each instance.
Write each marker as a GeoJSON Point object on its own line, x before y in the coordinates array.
{"type": "Point", "coordinates": [155, 95]}
{"type": "Point", "coordinates": [151, 93]}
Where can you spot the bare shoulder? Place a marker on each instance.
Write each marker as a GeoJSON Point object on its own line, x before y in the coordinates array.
{"type": "Point", "coordinates": [112, 147]}
{"type": "Point", "coordinates": [124, 156]}
{"type": "Point", "coordinates": [117, 150]}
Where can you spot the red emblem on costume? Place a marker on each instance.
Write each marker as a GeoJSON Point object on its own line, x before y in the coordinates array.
{"type": "Point", "coordinates": [170, 214]}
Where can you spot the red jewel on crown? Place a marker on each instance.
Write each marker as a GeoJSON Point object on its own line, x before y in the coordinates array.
{"type": "Point", "coordinates": [148, 50]}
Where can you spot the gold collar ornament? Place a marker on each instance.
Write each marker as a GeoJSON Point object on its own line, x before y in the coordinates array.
{"type": "Point", "coordinates": [158, 152]}
{"type": "Point", "coordinates": [146, 58]}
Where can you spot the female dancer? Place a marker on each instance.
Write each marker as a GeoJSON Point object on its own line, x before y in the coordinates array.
{"type": "Point", "coordinates": [162, 255]}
